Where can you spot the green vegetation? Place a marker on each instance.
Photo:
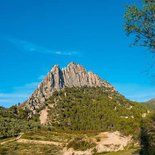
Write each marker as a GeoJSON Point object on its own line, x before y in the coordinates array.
{"type": "Point", "coordinates": [97, 109]}
{"type": "Point", "coordinates": [75, 115]}
{"type": "Point", "coordinates": [126, 152]}
{"type": "Point", "coordinates": [140, 22]}
{"type": "Point", "coordinates": [14, 121]}
{"type": "Point", "coordinates": [28, 149]}
{"type": "Point", "coordinates": [45, 135]}
{"type": "Point", "coordinates": [150, 104]}
{"type": "Point", "coordinates": [148, 137]}
{"type": "Point", "coordinates": [80, 144]}
{"type": "Point", "coordinates": [78, 140]}
{"type": "Point", "coordinates": [57, 136]}
{"type": "Point", "coordinates": [148, 132]}
{"type": "Point", "coordinates": [7, 139]}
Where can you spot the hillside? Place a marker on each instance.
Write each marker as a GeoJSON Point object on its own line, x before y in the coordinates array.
{"type": "Point", "coordinates": [44, 142]}
{"type": "Point", "coordinates": [74, 99]}
{"type": "Point", "coordinates": [150, 104]}
{"type": "Point", "coordinates": [94, 108]}
{"type": "Point", "coordinates": [13, 121]}
{"type": "Point", "coordinates": [95, 117]}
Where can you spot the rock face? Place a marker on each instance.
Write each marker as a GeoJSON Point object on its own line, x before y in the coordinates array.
{"type": "Point", "coordinates": [108, 142]}
{"type": "Point", "coordinates": [74, 75]}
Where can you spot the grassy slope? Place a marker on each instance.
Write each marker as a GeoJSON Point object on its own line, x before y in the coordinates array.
{"type": "Point", "coordinates": [38, 149]}
{"type": "Point", "coordinates": [126, 152]}
{"type": "Point", "coordinates": [28, 149]}
{"type": "Point", "coordinates": [56, 136]}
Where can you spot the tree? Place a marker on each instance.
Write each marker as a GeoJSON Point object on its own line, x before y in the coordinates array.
{"type": "Point", "coordinates": [140, 22]}
{"type": "Point", "coordinates": [147, 137]}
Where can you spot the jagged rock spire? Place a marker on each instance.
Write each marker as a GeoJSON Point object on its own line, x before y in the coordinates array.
{"type": "Point", "coordinates": [74, 75]}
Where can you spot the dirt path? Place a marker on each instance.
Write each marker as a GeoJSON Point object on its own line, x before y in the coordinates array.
{"type": "Point", "coordinates": [27, 141]}
{"type": "Point", "coordinates": [11, 140]}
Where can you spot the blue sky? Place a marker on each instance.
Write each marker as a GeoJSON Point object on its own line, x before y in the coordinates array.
{"type": "Point", "coordinates": [36, 34]}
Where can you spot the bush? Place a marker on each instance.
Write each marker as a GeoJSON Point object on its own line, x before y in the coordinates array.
{"type": "Point", "coordinates": [13, 121]}
{"type": "Point", "coordinates": [80, 144]}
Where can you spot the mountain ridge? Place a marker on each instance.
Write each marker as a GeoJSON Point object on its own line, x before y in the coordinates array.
{"type": "Point", "coordinates": [74, 75]}
{"type": "Point", "coordinates": [150, 104]}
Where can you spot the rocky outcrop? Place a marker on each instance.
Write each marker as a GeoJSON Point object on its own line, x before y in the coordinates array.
{"type": "Point", "coordinates": [74, 75]}
{"type": "Point", "coordinates": [104, 142]}
{"type": "Point", "coordinates": [43, 116]}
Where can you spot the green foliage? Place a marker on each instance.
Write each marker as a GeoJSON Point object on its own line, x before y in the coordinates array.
{"type": "Point", "coordinates": [80, 144]}
{"type": "Point", "coordinates": [150, 104]}
{"type": "Point", "coordinates": [140, 21]}
{"type": "Point", "coordinates": [29, 149]}
{"type": "Point", "coordinates": [148, 137]}
{"type": "Point", "coordinates": [14, 120]}
{"type": "Point", "coordinates": [125, 152]}
{"type": "Point", "coordinates": [97, 109]}
{"type": "Point", "coordinates": [46, 135]}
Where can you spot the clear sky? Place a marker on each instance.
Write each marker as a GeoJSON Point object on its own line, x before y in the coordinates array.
{"type": "Point", "coordinates": [36, 34]}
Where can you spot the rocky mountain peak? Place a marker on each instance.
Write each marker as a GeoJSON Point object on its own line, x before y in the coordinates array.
{"type": "Point", "coordinates": [74, 75]}
{"type": "Point", "coordinates": [71, 64]}
{"type": "Point", "coordinates": [75, 67]}
{"type": "Point", "coordinates": [55, 68]}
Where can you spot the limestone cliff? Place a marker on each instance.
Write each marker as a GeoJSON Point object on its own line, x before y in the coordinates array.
{"type": "Point", "coordinates": [74, 75]}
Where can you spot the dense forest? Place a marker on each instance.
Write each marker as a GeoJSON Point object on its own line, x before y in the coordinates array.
{"type": "Point", "coordinates": [14, 120]}
{"type": "Point", "coordinates": [95, 109]}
